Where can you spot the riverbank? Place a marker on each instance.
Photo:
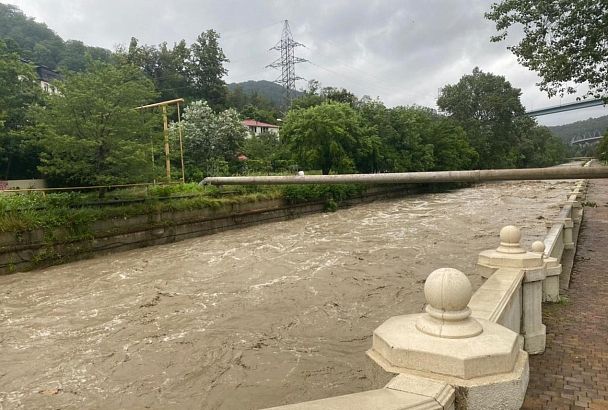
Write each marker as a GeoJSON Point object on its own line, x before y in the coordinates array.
{"type": "Point", "coordinates": [68, 230]}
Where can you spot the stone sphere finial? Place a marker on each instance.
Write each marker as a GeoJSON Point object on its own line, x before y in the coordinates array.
{"type": "Point", "coordinates": [510, 237]}
{"type": "Point", "coordinates": [448, 289]}
{"type": "Point", "coordinates": [448, 292]}
{"type": "Point", "coordinates": [538, 247]}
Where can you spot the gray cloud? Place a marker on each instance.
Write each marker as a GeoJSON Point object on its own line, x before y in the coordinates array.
{"type": "Point", "coordinates": [400, 51]}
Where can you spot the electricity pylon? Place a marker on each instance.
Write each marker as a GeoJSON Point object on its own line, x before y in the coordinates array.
{"type": "Point", "coordinates": [287, 62]}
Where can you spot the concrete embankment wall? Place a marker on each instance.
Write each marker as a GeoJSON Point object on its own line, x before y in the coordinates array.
{"type": "Point", "coordinates": [25, 250]}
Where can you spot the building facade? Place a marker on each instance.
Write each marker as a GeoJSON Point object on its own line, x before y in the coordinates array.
{"type": "Point", "coordinates": [257, 127]}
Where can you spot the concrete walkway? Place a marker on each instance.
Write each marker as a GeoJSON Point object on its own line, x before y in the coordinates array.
{"type": "Point", "coordinates": [573, 371]}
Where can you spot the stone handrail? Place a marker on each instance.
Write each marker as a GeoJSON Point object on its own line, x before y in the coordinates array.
{"type": "Point", "coordinates": [499, 299]}
{"type": "Point", "coordinates": [470, 350]}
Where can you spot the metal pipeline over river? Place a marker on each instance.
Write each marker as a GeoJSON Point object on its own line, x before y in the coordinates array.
{"type": "Point", "coordinates": [419, 177]}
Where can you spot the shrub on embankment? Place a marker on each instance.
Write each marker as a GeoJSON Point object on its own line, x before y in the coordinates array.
{"type": "Point", "coordinates": [74, 211]}
{"type": "Point", "coordinates": [39, 230]}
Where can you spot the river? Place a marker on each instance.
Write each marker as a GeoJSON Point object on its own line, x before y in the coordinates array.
{"type": "Point", "coordinates": [249, 318]}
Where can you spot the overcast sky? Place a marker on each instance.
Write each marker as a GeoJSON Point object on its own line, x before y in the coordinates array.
{"type": "Point", "coordinates": [402, 51]}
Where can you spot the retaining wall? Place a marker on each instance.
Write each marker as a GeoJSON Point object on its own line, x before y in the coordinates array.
{"type": "Point", "coordinates": [25, 250]}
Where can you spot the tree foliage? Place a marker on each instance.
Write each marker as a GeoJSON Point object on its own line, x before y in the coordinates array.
{"type": "Point", "coordinates": [488, 108]}
{"type": "Point", "coordinates": [327, 136]}
{"type": "Point", "coordinates": [206, 69]}
{"type": "Point", "coordinates": [36, 42]}
{"type": "Point", "coordinates": [563, 41]}
{"type": "Point", "coordinates": [164, 65]}
{"type": "Point", "coordinates": [194, 72]}
{"type": "Point", "coordinates": [253, 105]}
{"type": "Point", "coordinates": [18, 90]}
{"type": "Point", "coordinates": [537, 146]}
{"type": "Point", "coordinates": [91, 133]}
{"type": "Point", "coordinates": [417, 139]}
{"type": "Point", "coordinates": [485, 105]}
{"type": "Point", "coordinates": [316, 95]}
{"type": "Point", "coordinates": [211, 141]}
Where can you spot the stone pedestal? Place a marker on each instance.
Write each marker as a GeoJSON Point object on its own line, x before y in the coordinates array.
{"type": "Point", "coordinates": [482, 360]}
{"type": "Point", "coordinates": [551, 282]}
{"type": "Point", "coordinates": [577, 210]}
{"type": "Point", "coordinates": [510, 254]}
{"type": "Point", "coordinates": [568, 241]}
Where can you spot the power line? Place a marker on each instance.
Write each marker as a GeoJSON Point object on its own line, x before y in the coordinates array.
{"type": "Point", "coordinates": [241, 32]}
{"type": "Point", "coordinates": [379, 81]}
{"type": "Point", "coordinates": [342, 74]}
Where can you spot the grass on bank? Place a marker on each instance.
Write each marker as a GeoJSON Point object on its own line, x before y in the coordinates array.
{"type": "Point", "coordinates": [74, 211]}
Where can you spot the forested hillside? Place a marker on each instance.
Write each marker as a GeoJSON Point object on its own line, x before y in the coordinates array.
{"type": "Point", "coordinates": [36, 42]}
{"type": "Point", "coordinates": [579, 128]}
{"type": "Point", "coordinates": [266, 89]}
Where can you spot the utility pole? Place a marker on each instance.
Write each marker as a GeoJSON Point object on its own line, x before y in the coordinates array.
{"type": "Point", "coordinates": [164, 105]}
{"type": "Point", "coordinates": [287, 61]}
{"type": "Point", "coordinates": [166, 138]}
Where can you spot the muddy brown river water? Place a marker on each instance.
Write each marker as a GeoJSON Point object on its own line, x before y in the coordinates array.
{"type": "Point", "coordinates": [250, 318]}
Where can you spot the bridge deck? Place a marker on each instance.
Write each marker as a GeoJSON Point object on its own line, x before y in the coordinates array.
{"type": "Point", "coordinates": [573, 371]}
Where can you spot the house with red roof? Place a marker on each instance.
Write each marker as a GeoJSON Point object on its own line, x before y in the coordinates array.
{"type": "Point", "coordinates": [258, 127]}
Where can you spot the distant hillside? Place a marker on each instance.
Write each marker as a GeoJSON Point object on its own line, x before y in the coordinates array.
{"type": "Point", "coordinates": [586, 127]}
{"type": "Point", "coordinates": [36, 42]}
{"type": "Point", "coordinates": [267, 89]}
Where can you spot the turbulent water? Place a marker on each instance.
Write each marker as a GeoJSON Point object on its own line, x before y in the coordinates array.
{"type": "Point", "coordinates": [250, 318]}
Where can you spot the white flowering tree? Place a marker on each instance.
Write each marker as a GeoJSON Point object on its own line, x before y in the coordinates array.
{"type": "Point", "coordinates": [211, 141]}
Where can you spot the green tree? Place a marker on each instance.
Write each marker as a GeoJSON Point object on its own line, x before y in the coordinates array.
{"type": "Point", "coordinates": [261, 147]}
{"type": "Point", "coordinates": [310, 97]}
{"type": "Point", "coordinates": [450, 146]}
{"type": "Point", "coordinates": [563, 41]}
{"type": "Point", "coordinates": [316, 95]}
{"type": "Point", "coordinates": [538, 147]}
{"type": "Point", "coordinates": [339, 95]}
{"type": "Point", "coordinates": [206, 69]}
{"type": "Point", "coordinates": [330, 136]}
{"type": "Point", "coordinates": [164, 65]}
{"type": "Point", "coordinates": [211, 141]}
{"type": "Point", "coordinates": [486, 106]}
{"type": "Point", "coordinates": [74, 56]}
{"type": "Point", "coordinates": [91, 133]}
{"type": "Point", "coordinates": [18, 91]}
{"type": "Point", "coordinates": [407, 148]}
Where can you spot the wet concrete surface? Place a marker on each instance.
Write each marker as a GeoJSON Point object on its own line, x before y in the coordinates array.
{"type": "Point", "coordinates": [251, 318]}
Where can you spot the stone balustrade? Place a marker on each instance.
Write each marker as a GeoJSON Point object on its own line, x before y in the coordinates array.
{"type": "Point", "coordinates": [470, 350]}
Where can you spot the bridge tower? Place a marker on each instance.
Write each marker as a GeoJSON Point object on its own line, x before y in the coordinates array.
{"type": "Point", "coordinates": [287, 61]}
